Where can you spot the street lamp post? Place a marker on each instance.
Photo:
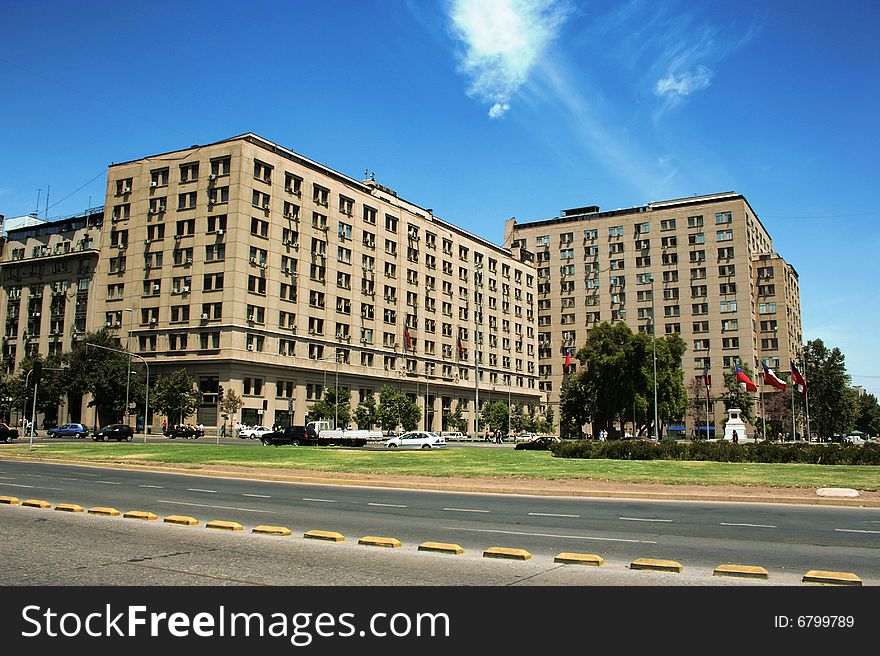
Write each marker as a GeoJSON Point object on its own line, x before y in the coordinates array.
{"type": "Point", "coordinates": [654, 344]}
{"type": "Point", "coordinates": [34, 406]}
{"type": "Point", "coordinates": [128, 371]}
{"type": "Point", "coordinates": [147, 396]}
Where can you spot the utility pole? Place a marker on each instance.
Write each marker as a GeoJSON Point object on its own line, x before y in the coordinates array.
{"type": "Point", "coordinates": [654, 342]}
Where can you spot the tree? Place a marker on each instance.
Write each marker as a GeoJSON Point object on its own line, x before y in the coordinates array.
{"type": "Point", "coordinates": [175, 396]}
{"type": "Point", "coordinates": [868, 416]}
{"type": "Point", "coordinates": [777, 411]}
{"type": "Point", "coordinates": [455, 421]}
{"type": "Point", "coordinates": [696, 407]}
{"type": "Point", "coordinates": [395, 409]}
{"type": "Point", "coordinates": [51, 389]}
{"type": "Point", "coordinates": [736, 397]}
{"type": "Point", "coordinates": [496, 416]}
{"type": "Point", "coordinates": [230, 404]}
{"type": "Point", "coordinates": [365, 415]}
{"type": "Point", "coordinates": [335, 405]}
{"type": "Point", "coordinates": [672, 398]}
{"type": "Point", "coordinates": [832, 402]}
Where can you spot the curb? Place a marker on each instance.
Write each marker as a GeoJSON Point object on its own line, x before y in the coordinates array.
{"type": "Point", "coordinates": [12, 501]}
{"type": "Point", "coordinates": [272, 530]}
{"type": "Point", "coordinates": [140, 514]}
{"type": "Point", "coordinates": [182, 520]}
{"type": "Point", "coordinates": [372, 541]}
{"type": "Point", "coordinates": [743, 571]}
{"type": "Point", "coordinates": [592, 560]}
{"type": "Point", "coordinates": [504, 552]}
{"type": "Point", "coordinates": [330, 536]}
{"type": "Point", "coordinates": [831, 578]}
{"type": "Point", "coordinates": [69, 507]}
{"type": "Point", "coordinates": [36, 503]}
{"type": "Point", "coordinates": [441, 547]}
{"type": "Point", "coordinates": [106, 512]}
{"type": "Point", "coordinates": [656, 565]}
{"type": "Point", "coordinates": [224, 525]}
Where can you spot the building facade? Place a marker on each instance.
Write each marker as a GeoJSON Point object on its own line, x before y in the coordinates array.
{"type": "Point", "coordinates": [259, 270]}
{"type": "Point", "coordinates": [701, 267]}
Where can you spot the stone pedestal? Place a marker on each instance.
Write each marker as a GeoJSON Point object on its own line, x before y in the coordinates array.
{"type": "Point", "coordinates": [734, 423]}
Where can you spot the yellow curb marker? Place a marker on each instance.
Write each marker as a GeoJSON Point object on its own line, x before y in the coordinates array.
{"type": "Point", "coordinates": [107, 512]}
{"type": "Point", "coordinates": [140, 514]}
{"type": "Point", "coordinates": [742, 571]}
{"type": "Point", "coordinates": [182, 520]}
{"type": "Point", "coordinates": [330, 536]}
{"type": "Point", "coordinates": [657, 565]}
{"type": "Point", "coordinates": [831, 578]}
{"type": "Point", "coordinates": [504, 552]}
{"type": "Point", "coordinates": [592, 560]}
{"type": "Point", "coordinates": [12, 501]}
{"type": "Point", "coordinates": [225, 526]}
{"type": "Point", "coordinates": [69, 507]}
{"type": "Point", "coordinates": [271, 530]}
{"type": "Point", "coordinates": [372, 541]}
{"type": "Point", "coordinates": [36, 503]}
{"type": "Point", "coordinates": [441, 547]}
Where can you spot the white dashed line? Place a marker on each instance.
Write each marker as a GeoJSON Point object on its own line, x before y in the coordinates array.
{"type": "Point", "coordinates": [157, 487]}
{"type": "Point", "coordinates": [195, 489]}
{"type": "Point", "coordinates": [203, 505]}
{"type": "Point", "coordinates": [548, 535]}
{"type": "Point", "coordinates": [387, 505]}
{"type": "Point", "coordinates": [109, 482]}
{"type": "Point", "coordinates": [466, 510]}
{"type": "Point", "coordinates": [551, 515]}
{"type": "Point", "coordinates": [853, 530]}
{"type": "Point", "coordinates": [641, 519]}
{"type": "Point", "coordinates": [321, 500]}
{"type": "Point", "coordinates": [257, 496]}
{"type": "Point", "coordinates": [749, 525]}
{"type": "Point", "coordinates": [16, 485]}
{"type": "Point", "coordinates": [8, 478]}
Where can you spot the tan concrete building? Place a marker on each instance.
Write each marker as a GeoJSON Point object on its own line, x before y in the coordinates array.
{"type": "Point", "coordinates": [262, 271]}
{"type": "Point", "coordinates": [703, 267]}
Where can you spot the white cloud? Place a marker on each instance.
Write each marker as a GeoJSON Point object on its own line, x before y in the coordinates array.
{"type": "Point", "coordinates": [504, 40]}
{"type": "Point", "coordinates": [685, 83]}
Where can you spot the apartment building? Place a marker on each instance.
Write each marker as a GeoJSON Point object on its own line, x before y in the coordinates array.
{"type": "Point", "coordinates": [46, 270]}
{"type": "Point", "coordinates": [702, 267]}
{"type": "Point", "coordinates": [262, 271]}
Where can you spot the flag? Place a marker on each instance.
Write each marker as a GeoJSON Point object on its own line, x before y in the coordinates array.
{"type": "Point", "coordinates": [407, 338]}
{"type": "Point", "coordinates": [799, 381]}
{"type": "Point", "coordinates": [747, 384]}
{"type": "Point", "coordinates": [567, 360]}
{"type": "Point", "coordinates": [707, 379]}
{"type": "Point", "coordinates": [771, 378]}
{"type": "Point", "coordinates": [460, 349]}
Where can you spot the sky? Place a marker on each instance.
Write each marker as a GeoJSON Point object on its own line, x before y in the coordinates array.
{"type": "Point", "coordinates": [484, 110]}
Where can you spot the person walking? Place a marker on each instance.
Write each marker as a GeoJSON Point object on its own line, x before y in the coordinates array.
{"type": "Point", "coordinates": [735, 438]}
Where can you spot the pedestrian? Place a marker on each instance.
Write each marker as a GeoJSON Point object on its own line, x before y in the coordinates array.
{"type": "Point", "coordinates": [735, 438]}
{"type": "Point", "coordinates": [223, 430]}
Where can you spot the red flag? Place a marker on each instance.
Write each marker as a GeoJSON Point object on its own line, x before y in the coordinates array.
{"type": "Point", "coordinates": [707, 378]}
{"type": "Point", "coordinates": [771, 378]}
{"type": "Point", "coordinates": [406, 336]}
{"type": "Point", "coordinates": [460, 349]}
{"type": "Point", "coordinates": [744, 380]}
{"type": "Point", "coordinates": [799, 380]}
{"type": "Point", "coordinates": [567, 360]}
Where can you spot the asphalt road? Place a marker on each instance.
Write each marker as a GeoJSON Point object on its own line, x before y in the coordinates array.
{"type": "Point", "coordinates": [786, 539]}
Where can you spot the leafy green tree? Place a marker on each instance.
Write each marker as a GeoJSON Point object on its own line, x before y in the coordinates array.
{"type": "Point", "coordinates": [672, 396]}
{"type": "Point", "coordinates": [395, 408]}
{"type": "Point", "coordinates": [175, 395]}
{"type": "Point", "coordinates": [365, 415]}
{"type": "Point", "coordinates": [455, 421]}
{"type": "Point", "coordinates": [868, 417]}
{"type": "Point", "coordinates": [736, 397]}
{"type": "Point", "coordinates": [495, 416]}
{"type": "Point", "coordinates": [573, 411]}
{"type": "Point", "coordinates": [51, 390]}
{"type": "Point", "coordinates": [832, 402]}
{"type": "Point", "coordinates": [335, 405]}
{"type": "Point", "coordinates": [229, 405]}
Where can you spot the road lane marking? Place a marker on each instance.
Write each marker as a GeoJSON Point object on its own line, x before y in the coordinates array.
{"type": "Point", "coordinates": [195, 489]}
{"type": "Point", "coordinates": [387, 505]}
{"type": "Point", "coordinates": [548, 535]}
{"type": "Point", "coordinates": [552, 515]}
{"type": "Point", "coordinates": [69, 479]}
{"type": "Point", "coordinates": [640, 519]}
{"type": "Point", "coordinates": [854, 530]}
{"type": "Point", "coordinates": [204, 505]}
{"type": "Point", "coordinates": [8, 478]}
{"type": "Point", "coordinates": [109, 482]}
{"type": "Point", "coordinates": [257, 496]}
{"type": "Point", "coordinates": [749, 525]}
{"type": "Point", "coordinates": [465, 510]}
{"type": "Point", "coordinates": [15, 485]}
{"type": "Point", "coordinates": [321, 500]}
{"type": "Point", "coordinates": [157, 487]}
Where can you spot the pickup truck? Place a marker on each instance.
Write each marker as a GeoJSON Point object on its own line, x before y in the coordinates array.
{"type": "Point", "coordinates": [307, 436]}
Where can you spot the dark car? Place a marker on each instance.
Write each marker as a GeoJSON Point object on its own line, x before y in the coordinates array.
{"type": "Point", "coordinates": [7, 434]}
{"type": "Point", "coordinates": [293, 435]}
{"type": "Point", "coordinates": [186, 432]}
{"type": "Point", "coordinates": [118, 432]}
{"type": "Point", "coordinates": [542, 443]}
{"type": "Point", "coordinates": [68, 430]}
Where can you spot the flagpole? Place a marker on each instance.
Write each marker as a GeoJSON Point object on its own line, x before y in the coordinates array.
{"type": "Point", "coordinates": [707, 408]}
{"type": "Point", "coordinates": [763, 417]}
{"type": "Point", "coordinates": [806, 392]}
{"type": "Point", "coordinates": [793, 425]}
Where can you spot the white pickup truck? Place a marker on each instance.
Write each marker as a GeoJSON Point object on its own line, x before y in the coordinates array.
{"type": "Point", "coordinates": [324, 431]}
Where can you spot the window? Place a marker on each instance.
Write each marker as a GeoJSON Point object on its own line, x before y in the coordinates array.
{"type": "Point", "coordinates": [727, 288]}
{"type": "Point", "coordinates": [722, 217]}
{"type": "Point", "coordinates": [182, 256]}
{"type": "Point", "coordinates": [725, 253]}
{"type": "Point", "coordinates": [259, 228]}
{"type": "Point", "coordinates": [730, 342]}
{"type": "Point", "coordinates": [667, 224]}
{"type": "Point", "coordinates": [209, 341]}
{"type": "Point", "coordinates": [695, 222]}
{"type": "Point", "coordinates": [727, 306]}
{"type": "Point", "coordinates": [370, 215]}
{"type": "Point", "coordinates": [261, 200]}
{"type": "Point", "coordinates": [262, 171]}
{"type": "Point", "coordinates": [218, 195]}
{"type": "Point", "coordinates": [159, 177]}
{"type": "Point", "coordinates": [212, 311]}
{"type": "Point", "coordinates": [615, 231]}
{"type": "Point", "coordinates": [189, 172]}
{"type": "Point", "coordinates": [696, 238]}
{"type": "Point", "coordinates": [320, 195]}
{"type": "Point", "coordinates": [724, 235]}
{"type": "Point", "coordinates": [701, 326]}
{"type": "Point", "coordinates": [257, 285]}
{"type": "Point", "coordinates": [669, 242]}
{"type": "Point", "coordinates": [215, 253]}
{"type": "Point", "coordinates": [216, 223]}
{"type": "Point", "coordinates": [292, 184]}
{"type": "Point", "coordinates": [220, 166]}
{"type": "Point", "coordinates": [643, 228]}
{"type": "Point", "coordinates": [186, 228]}
{"type": "Point", "coordinates": [766, 308]}
{"type": "Point", "coordinates": [727, 270]}
{"type": "Point", "coordinates": [256, 314]}
{"type": "Point", "coordinates": [186, 201]}
{"type": "Point", "coordinates": [346, 205]}
{"type": "Point", "coordinates": [179, 313]}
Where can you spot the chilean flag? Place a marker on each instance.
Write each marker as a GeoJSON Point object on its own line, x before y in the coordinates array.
{"type": "Point", "coordinates": [406, 336]}
{"type": "Point", "coordinates": [771, 378]}
{"type": "Point", "coordinates": [799, 380]}
{"type": "Point", "coordinates": [567, 360]}
{"type": "Point", "coordinates": [707, 378]}
{"type": "Point", "coordinates": [460, 349]}
{"type": "Point", "coordinates": [747, 384]}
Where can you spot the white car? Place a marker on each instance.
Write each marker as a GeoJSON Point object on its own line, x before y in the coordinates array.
{"type": "Point", "coordinates": [417, 440]}
{"type": "Point", "coordinates": [254, 432]}
{"type": "Point", "coordinates": [455, 436]}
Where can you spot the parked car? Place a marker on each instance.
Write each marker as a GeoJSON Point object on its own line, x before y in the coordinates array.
{"type": "Point", "coordinates": [118, 432]}
{"type": "Point", "coordinates": [539, 443]}
{"type": "Point", "coordinates": [854, 439]}
{"type": "Point", "coordinates": [7, 434]}
{"type": "Point", "coordinates": [186, 432]}
{"type": "Point", "coordinates": [524, 437]}
{"type": "Point", "coordinates": [417, 440]}
{"type": "Point", "coordinates": [68, 430]}
{"type": "Point", "coordinates": [455, 436]}
{"type": "Point", "coordinates": [254, 432]}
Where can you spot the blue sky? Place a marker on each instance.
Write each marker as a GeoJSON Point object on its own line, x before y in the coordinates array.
{"type": "Point", "coordinates": [485, 110]}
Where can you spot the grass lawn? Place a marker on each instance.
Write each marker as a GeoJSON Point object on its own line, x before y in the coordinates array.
{"type": "Point", "coordinates": [469, 463]}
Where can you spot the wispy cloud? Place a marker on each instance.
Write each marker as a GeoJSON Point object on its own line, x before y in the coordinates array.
{"type": "Point", "coordinates": [685, 83]}
{"type": "Point", "coordinates": [504, 40]}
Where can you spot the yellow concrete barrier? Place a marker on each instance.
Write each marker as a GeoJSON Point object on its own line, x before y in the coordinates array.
{"type": "Point", "coordinates": [224, 525]}
{"type": "Point", "coordinates": [656, 565]}
{"type": "Point", "coordinates": [372, 541]}
{"type": "Point", "coordinates": [69, 507]}
{"type": "Point", "coordinates": [330, 536]}
{"type": "Point", "coordinates": [182, 520]}
{"type": "Point", "coordinates": [140, 514]}
{"type": "Point", "coordinates": [831, 578]}
{"type": "Point", "coordinates": [12, 501]}
{"type": "Point", "coordinates": [271, 530]}
{"type": "Point", "coordinates": [592, 560]}
{"type": "Point", "coordinates": [441, 547]}
{"type": "Point", "coordinates": [36, 503]}
{"type": "Point", "coordinates": [107, 512]}
{"type": "Point", "coordinates": [504, 552]}
{"type": "Point", "coordinates": [742, 571]}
